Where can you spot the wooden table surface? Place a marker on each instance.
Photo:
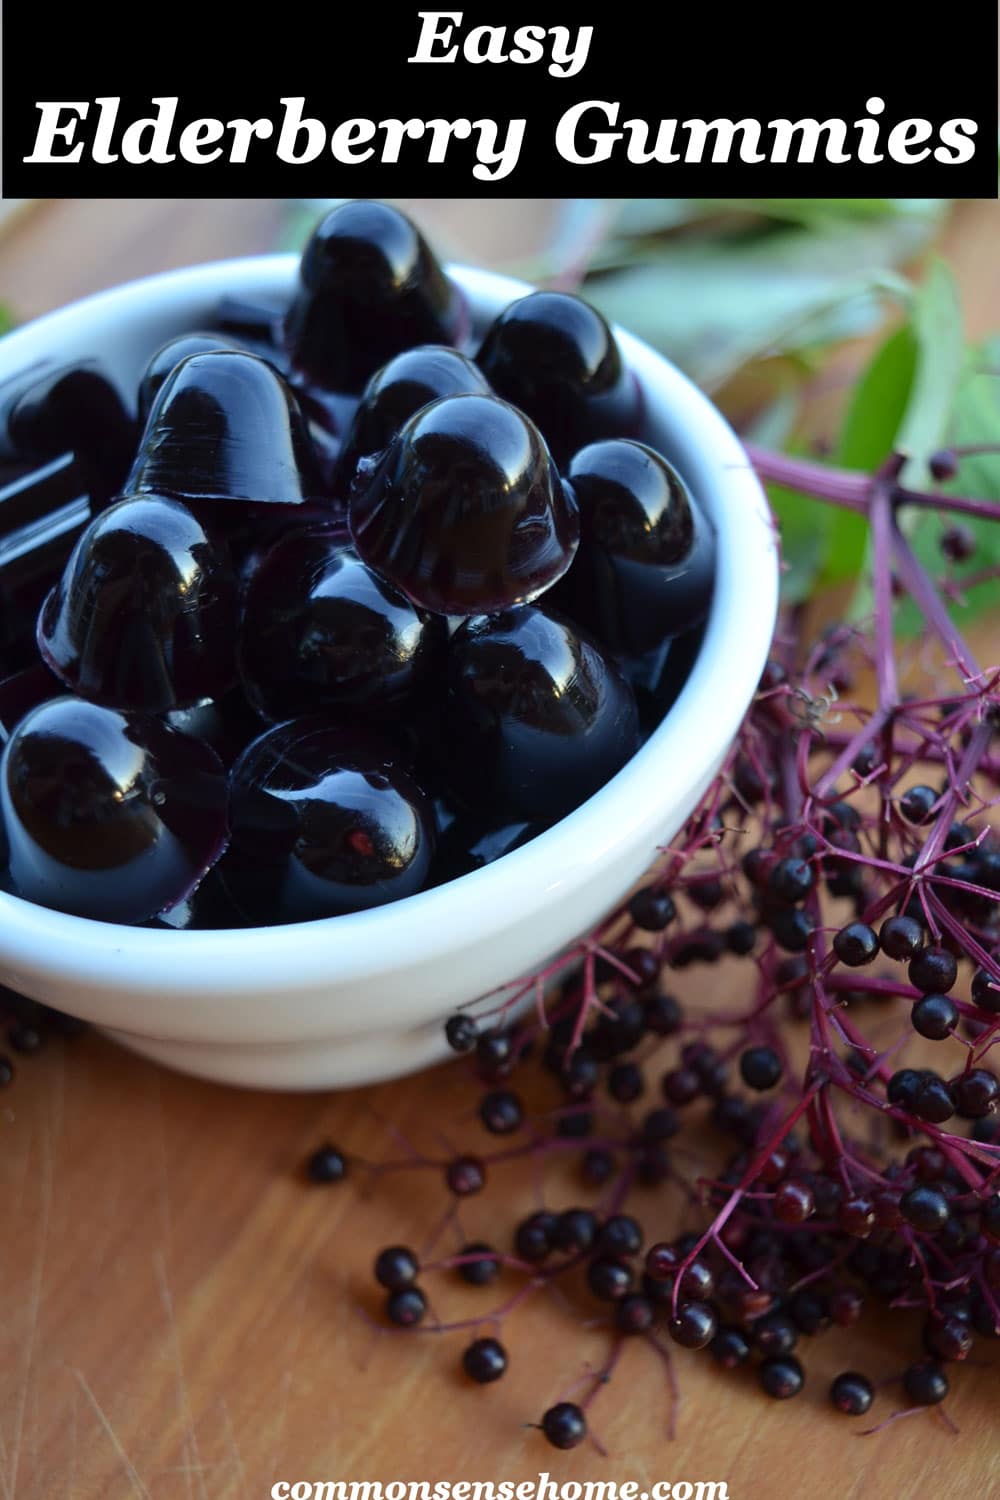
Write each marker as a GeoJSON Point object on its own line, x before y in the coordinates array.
{"type": "Point", "coordinates": [183, 1318]}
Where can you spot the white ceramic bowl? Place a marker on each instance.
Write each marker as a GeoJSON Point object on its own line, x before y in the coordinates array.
{"type": "Point", "coordinates": [357, 998]}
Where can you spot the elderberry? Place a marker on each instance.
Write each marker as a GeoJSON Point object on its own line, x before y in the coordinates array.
{"type": "Point", "coordinates": [760, 1068]}
{"type": "Point", "coordinates": [484, 1361]}
{"type": "Point", "coordinates": [781, 1377]}
{"type": "Point", "coordinates": [851, 1394]}
{"type": "Point", "coordinates": [564, 1425]}
{"type": "Point", "coordinates": [925, 1383]}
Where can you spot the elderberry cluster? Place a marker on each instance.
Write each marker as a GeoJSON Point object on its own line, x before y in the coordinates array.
{"type": "Point", "coordinates": [845, 1104]}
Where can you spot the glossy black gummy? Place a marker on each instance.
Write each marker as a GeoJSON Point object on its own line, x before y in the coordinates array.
{"type": "Point", "coordinates": [145, 614]}
{"type": "Point", "coordinates": [398, 391]}
{"type": "Point", "coordinates": [108, 815]}
{"type": "Point", "coordinates": [227, 723]}
{"type": "Point", "coordinates": [323, 821]}
{"type": "Point", "coordinates": [658, 676]}
{"type": "Point", "coordinates": [555, 357]}
{"type": "Point", "coordinates": [166, 359]}
{"type": "Point", "coordinates": [465, 511]}
{"type": "Point", "coordinates": [645, 567]}
{"type": "Point", "coordinates": [208, 907]}
{"type": "Point", "coordinates": [474, 841]}
{"type": "Point", "coordinates": [43, 511]}
{"type": "Point", "coordinates": [22, 691]}
{"type": "Point", "coordinates": [45, 412]}
{"type": "Point", "coordinates": [322, 630]}
{"type": "Point", "coordinates": [225, 426]}
{"type": "Point", "coordinates": [369, 287]}
{"type": "Point", "coordinates": [539, 717]}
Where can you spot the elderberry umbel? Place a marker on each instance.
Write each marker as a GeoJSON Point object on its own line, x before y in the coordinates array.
{"type": "Point", "coordinates": [830, 1119]}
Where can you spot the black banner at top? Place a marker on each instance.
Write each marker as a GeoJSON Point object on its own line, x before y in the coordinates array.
{"type": "Point", "coordinates": [854, 100]}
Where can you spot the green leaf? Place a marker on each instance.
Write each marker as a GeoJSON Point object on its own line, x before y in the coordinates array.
{"type": "Point", "coordinates": [805, 526]}
{"type": "Point", "coordinates": [867, 437]}
{"type": "Point", "coordinates": [903, 403]}
{"type": "Point", "coordinates": [937, 330]}
{"type": "Point", "coordinates": [975, 420]}
{"type": "Point", "coordinates": [714, 305]}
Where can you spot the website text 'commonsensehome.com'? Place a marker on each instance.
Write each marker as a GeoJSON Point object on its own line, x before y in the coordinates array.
{"type": "Point", "coordinates": [540, 1488]}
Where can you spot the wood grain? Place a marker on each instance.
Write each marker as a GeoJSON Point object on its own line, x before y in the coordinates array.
{"type": "Point", "coordinates": [183, 1318]}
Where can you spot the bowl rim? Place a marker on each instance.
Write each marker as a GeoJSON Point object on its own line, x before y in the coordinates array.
{"type": "Point", "coordinates": [691, 740]}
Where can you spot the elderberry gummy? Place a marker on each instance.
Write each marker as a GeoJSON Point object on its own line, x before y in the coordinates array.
{"type": "Point", "coordinates": [539, 717]}
{"type": "Point", "coordinates": [397, 392]}
{"type": "Point", "coordinates": [108, 815]}
{"type": "Point", "coordinates": [71, 408]}
{"type": "Point", "coordinates": [369, 287]}
{"type": "Point", "coordinates": [144, 616]}
{"type": "Point", "coordinates": [465, 511]}
{"type": "Point", "coordinates": [225, 427]}
{"type": "Point", "coordinates": [166, 359]}
{"type": "Point", "coordinates": [322, 630]}
{"type": "Point", "coordinates": [555, 357]}
{"type": "Point", "coordinates": [645, 566]}
{"type": "Point", "coordinates": [323, 821]}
